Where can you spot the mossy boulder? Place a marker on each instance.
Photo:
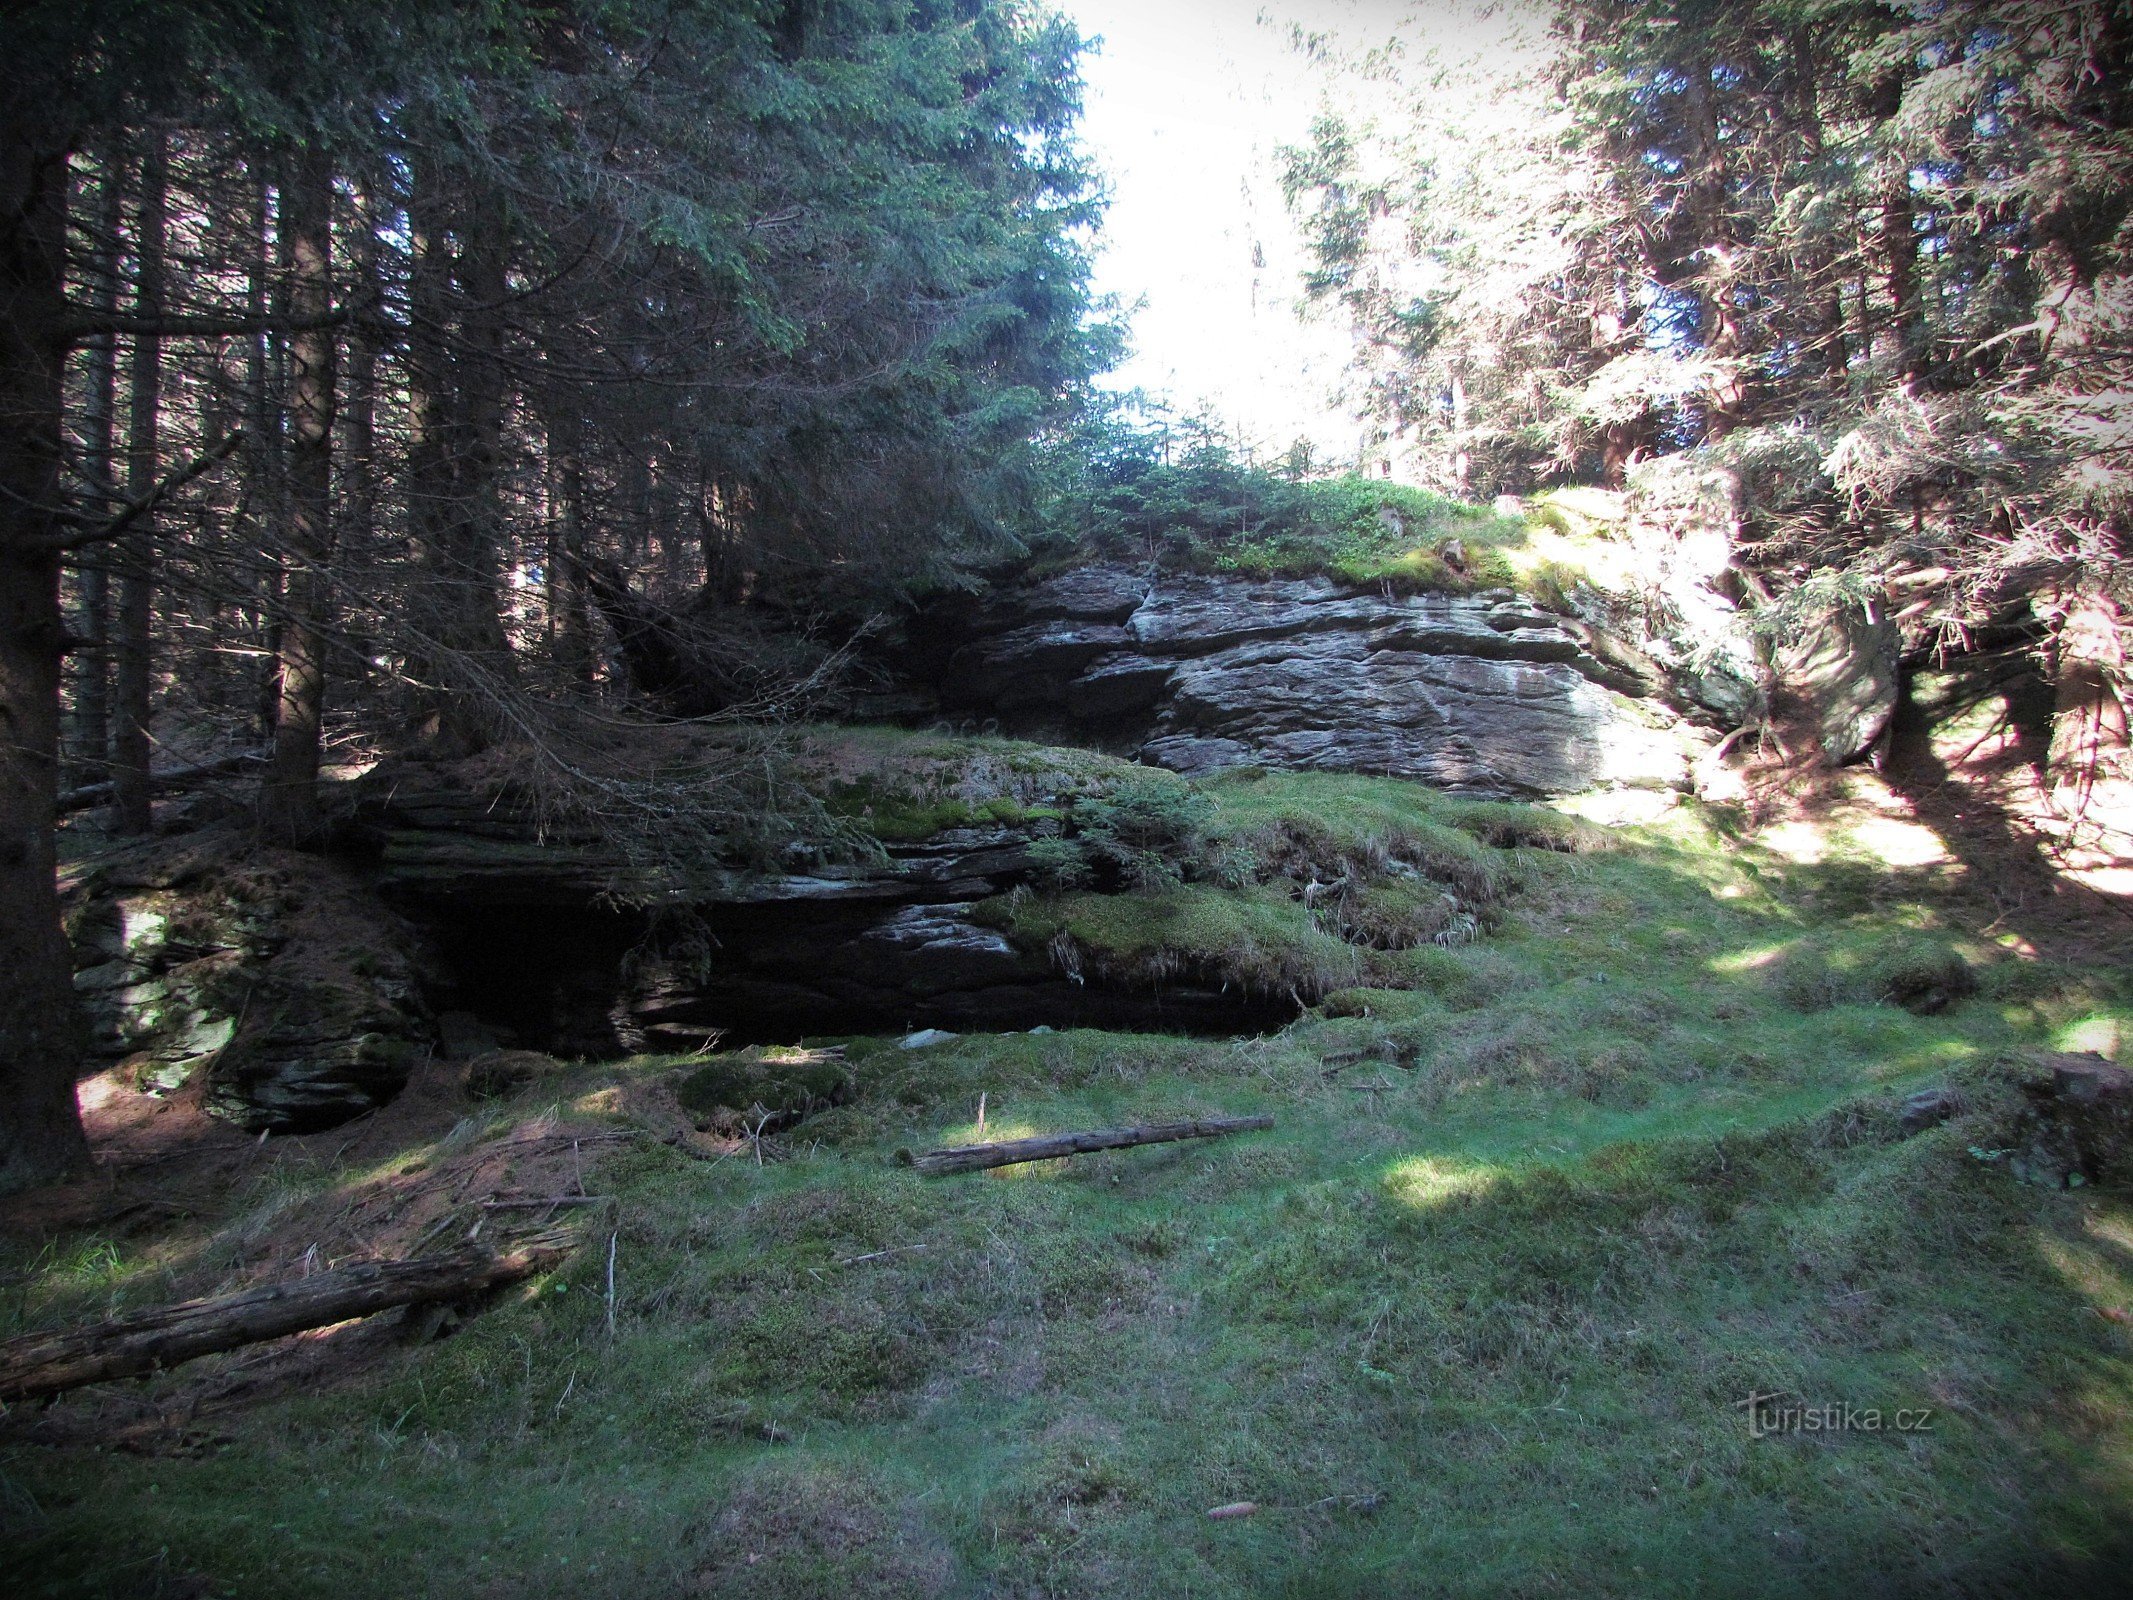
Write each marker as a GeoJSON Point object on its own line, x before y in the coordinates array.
{"type": "Point", "coordinates": [754, 1091]}
{"type": "Point", "coordinates": [2075, 1126]}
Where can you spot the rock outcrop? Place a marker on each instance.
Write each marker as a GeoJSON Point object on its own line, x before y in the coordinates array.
{"type": "Point", "coordinates": [570, 946]}
{"type": "Point", "coordinates": [277, 975]}
{"type": "Point", "coordinates": [1483, 694]}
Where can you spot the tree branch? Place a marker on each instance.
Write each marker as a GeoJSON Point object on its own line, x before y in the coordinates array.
{"type": "Point", "coordinates": [84, 324]}
{"type": "Point", "coordinates": [133, 510]}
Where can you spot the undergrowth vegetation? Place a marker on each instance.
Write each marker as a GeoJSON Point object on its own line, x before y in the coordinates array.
{"type": "Point", "coordinates": [1125, 494]}
{"type": "Point", "coordinates": [1541, 1211]}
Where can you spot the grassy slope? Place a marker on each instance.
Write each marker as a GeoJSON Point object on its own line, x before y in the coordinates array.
{"type": "Point", "coordinates": [1481, 1332]}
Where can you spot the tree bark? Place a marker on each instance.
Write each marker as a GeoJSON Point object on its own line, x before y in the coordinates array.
{"type": "Point", "coordinates": [137, 552]}
{"type": "Point", "coordinates": [41, 1037]}
{"type": "Point", "coordinates": [484, 287]}
{"type": "Point", "coordinates": [1719, 331]}
{"type": "Point", "coordinates": [92, 662]}
{"type": "Point", "coordinates": [565, 572]}
{"type": "Point", "coordinates": [289, 799]}
{"type": "Point", "coordinates": [264, 460]}
{"type": "Point", "coordinates": [52, 1363]}
{"type": "Point", "coordinates": [1046, 1147]}
{"type": "Point", "coordinates": [359, 416]}
{"type": "Point", "coordinates": [454, 455]}
{"type": "Point", "coordinates": [2091, 746]}
{"type": "Point", "coordinates": [1899, 243]}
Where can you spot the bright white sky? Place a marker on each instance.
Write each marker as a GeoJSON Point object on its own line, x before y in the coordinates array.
{"type": "Point", "coordinates": [1188, 102]}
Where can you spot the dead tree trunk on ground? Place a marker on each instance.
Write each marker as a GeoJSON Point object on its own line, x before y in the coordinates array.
{"type": "Point", "coordinates": [1045, 1147]}
{"type": "Point", "coordinates": [51, 1363]}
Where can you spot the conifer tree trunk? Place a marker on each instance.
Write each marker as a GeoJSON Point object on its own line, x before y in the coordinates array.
{"type": "Point", "coordinates": [356, 518]}
{"type": "Point", "coordinates": [2092, 745]}
{"type": "Point", "coordinates": [566, 547]}
{"type": "Point", "coordinates": [430, 492]}
{"type": "Point", "coordinates": [455, 427]}
{"type": "Point", "coordinates": [137, 551]}
{"type": "Point", "coordinates": [263, 455]}
{"type": "Point", "coordinates": [289, 803]}
{"type": "Point", "coordinates": [1720, 331]}
{"type": "Point", "coordinates": [478, 534]}
{"type": "Point", "coordinates": [1899, 244]}
{"type": "Point", "coordinates": [92, 664]}
{"type": "Point", "coordinates": [40, 1032]}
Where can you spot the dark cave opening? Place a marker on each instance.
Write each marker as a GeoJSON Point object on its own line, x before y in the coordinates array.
{"type": "Point", "coordinates": [599, 982]}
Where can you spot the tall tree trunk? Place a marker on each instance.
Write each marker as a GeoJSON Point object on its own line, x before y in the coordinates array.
{"type": "Point", "coordinates": [1899, 245]}
{"type": "Point", "coordinates": [1719, 323]}
{"type": "Point", "coordinates": [1820, 278]}
{"type": "Point", "coordinates": [40, 1031]}
{"type": "Point", "coordinates": [484, 287]}
{"type": "Point", "coordinates": [92, 663]}
{"type": "Point", "coordinates": [357, 533]}
{"type": "Point", "coordinates": [566, 547]}
{"type": "Point", "coordinates": [454, 446]}
{"type": "Point", "coordinates": [2091, 747]}
{"type": "Point", "coordinates": [1899, 249]}
{"type": "Point", "coordinates": [137, 551]}
{"type": "Point", "coordinates": [1462, 463]}
{"type": "Point", "coordinates": [430, 492]}
{"type": "Point", "coordinates": [289, 801]}
{"type": "Point", "coordinates": [263, 455]}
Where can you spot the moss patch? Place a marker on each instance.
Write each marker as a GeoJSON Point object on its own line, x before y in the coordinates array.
{"type": "Point", "coordinates": [753, 1090]}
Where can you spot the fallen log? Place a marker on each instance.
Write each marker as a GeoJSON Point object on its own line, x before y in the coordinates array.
{"type": "Point", "coordinates": [91, 794]}
{"type": "Point", "coordinates": [1045, 1147]}
{"type": "Point", "coordinates": [41, 1364]}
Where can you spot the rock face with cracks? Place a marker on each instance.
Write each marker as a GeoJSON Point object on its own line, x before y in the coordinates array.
{"type": "Point", "coordinates": [1479, 694]}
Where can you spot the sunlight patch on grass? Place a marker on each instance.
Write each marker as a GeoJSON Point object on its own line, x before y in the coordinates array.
{"type": "Point", "coordinates": [1427, 1181]}
{"type": "Point", "coordinates": [1754, 958]}
{"type": "Point", "coordinates": [2101, 1034]}
{"type": "Point", "coordinates": [2088, 1271]}
{"type": "Point", "coordinates": [1896, 843]}
{"type": "Point", "coordinates": [1803, 843]}
{"type": "Point", "coordinates": [998, 1130]}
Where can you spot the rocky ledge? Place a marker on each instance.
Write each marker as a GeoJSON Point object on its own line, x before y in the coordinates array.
{"type": "Point", "coordinates": [569, 945]}
{"type": "Point", "coordinates": [1479, 694]}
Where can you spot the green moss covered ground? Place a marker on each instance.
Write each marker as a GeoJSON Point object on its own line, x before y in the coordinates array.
{"type": "Point", "coordinates": [1364, 532]}
{"type": "Point", "coordinates": [1541, 1210]}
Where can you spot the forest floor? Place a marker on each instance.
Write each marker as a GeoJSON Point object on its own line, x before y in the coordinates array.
{"type": "Point", "coordinates": [1482, 1315]}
